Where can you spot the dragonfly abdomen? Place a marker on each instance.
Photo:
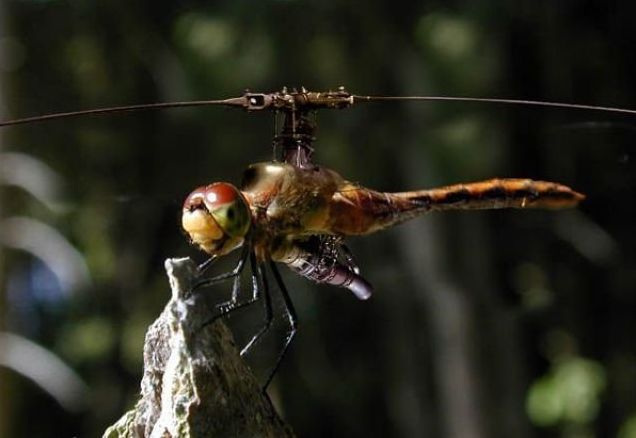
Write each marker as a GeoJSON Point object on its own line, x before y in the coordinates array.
{"type": "Point", "coordinates": [497, 193]}
{"type": "Point", "coordinates": [358, 210]}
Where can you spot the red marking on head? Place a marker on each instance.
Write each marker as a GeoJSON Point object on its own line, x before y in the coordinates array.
{"type": "Point", "coordinates": [211, 195]}
{"type": "Point", "coordinates": [220, 193]}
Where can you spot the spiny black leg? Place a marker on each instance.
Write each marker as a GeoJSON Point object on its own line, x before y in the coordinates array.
{"type": "Point", "coordinates": [206, 265]}
{"type": "Point", "coordinates": [233, 303]}
{"type": "Point", "coordinates": [233, 273]}
{"type": "Point", "coordinates": [291, 317]}
{"type": "Point", "coordinates": [226, 306]}
{"type": "Point", "coordinates": [256, 294]}
{"type": "Point", "coordinates": [267, 305]}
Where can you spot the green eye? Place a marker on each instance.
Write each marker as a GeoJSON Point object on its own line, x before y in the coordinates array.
{"type": "Point", "coordinates": [233, 218]}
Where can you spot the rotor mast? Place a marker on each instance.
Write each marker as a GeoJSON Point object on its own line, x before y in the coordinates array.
{"type": "Point", "coordinates": [298, 108]}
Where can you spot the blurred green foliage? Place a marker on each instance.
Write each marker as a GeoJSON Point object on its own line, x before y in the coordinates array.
{"type": "Point", "coordinates": [569, 394]}
{"type": "Point", "coordinates": [628, 430]}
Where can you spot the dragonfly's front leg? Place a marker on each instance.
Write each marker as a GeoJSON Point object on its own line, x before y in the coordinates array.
{"type": "Point", "coordinates": [234, 273]}
{"type": "Point", "coordinates": [234, 304]}
{"type": "Point", "coordinates": [206, 265]}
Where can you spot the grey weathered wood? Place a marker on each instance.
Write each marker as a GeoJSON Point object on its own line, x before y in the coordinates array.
{"type": "Point", "coordinates": [195, 383]}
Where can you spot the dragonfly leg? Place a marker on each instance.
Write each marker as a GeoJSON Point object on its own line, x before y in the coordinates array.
{"type": "Point", "coordinates": [291, 317]}
{"type": "Point", "coordinates": [206, 265]}
{"type": "Point", "coordinates": [257, 272]}
{"type": "Point", "coordinates": [233, 305]}
{"type": "Point", "coordinates": [260, 290]}
{"type": "Point", "coordinates": [233, 302]}
{"type": "Point", "coordinates": [205, 282]}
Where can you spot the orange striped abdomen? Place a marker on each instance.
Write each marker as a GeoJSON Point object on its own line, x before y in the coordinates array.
{"type": "Point", "coordinates": [357, 210]}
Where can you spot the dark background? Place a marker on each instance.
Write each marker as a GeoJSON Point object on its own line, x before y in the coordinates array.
{"type": "Point", "coordinates": [483, 324]}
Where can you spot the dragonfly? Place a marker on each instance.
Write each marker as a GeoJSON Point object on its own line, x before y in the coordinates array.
{"type": "Point", "coordinates": [293, 212]}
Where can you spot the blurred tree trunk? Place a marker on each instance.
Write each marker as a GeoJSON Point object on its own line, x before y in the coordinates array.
{"type": "Point", "coordinates": [502, 372]}
{"type": "Point", "coordinates": [443, 304]}
{"type": "Point", "coordinates": [477, 369]}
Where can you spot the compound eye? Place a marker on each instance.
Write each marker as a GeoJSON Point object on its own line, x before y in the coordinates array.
{"type": "Point", "coordinates": [224, 204]}
{"type": "Point", "coordinates": [210, 196]}
{"type": "Point", "coordinates": [216, 217]}
{"type": "Point", "coordinates": [218, 194]}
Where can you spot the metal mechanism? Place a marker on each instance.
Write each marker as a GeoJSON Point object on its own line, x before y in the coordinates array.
{"type": "Point", "coordinates": [298, 110]}
{"type": "Point", "coordinates": [293, 100]}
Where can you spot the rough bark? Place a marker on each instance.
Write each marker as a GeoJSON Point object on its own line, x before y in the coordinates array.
{"type": "Point", "coordinates": [195, 383]}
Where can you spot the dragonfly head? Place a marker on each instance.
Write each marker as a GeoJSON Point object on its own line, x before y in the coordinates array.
{"type": "Point", "coordinates": [216, 217]}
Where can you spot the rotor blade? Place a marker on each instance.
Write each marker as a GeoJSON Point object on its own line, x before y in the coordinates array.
{"type": "Point", "coordinates": [233, 102]}
{"type": "Point", "coordinates": [495, 100]}
{"type": "Point", "coordinates": [258, 101]}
